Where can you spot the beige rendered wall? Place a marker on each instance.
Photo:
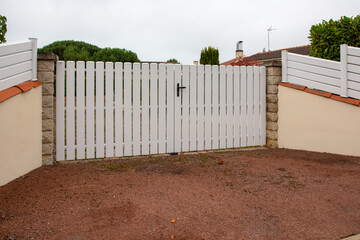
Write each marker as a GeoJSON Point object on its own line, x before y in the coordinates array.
{"type": "Point", "coordinates": [314, 123]}
{"type": "Point", "coordinates": [20, 135]}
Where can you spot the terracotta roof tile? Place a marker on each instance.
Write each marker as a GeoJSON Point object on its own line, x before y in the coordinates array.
{"type": "Point", "coordinates": [290, 85]}
{"type": "Point", "coordinates": [26, 86]}
{"type": "Point", "coordinates": [304, 50]}
{"type": "Point", "coordinates": [320, 93]}
{"type": "Point", "coordinates": [23, 87]}
{"type": "Point", "coordinates": [8, 93]}
{"type": "Point", "coordinates": [346, 100]}
{"type": "Point", "coordinates": [352, 101]}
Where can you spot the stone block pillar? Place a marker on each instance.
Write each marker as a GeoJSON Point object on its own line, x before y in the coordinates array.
{"type": "Point", "coordinates": [273, 78]}
{"type": "Point", "coordinates": [46, 73]}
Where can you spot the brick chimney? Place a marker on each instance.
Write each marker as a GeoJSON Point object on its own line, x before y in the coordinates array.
{"type": "Point", "coordinates": [239, 50]}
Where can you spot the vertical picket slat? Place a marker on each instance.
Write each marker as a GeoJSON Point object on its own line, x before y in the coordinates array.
{"type": "Point", "coordinates": [177, 109]}
{"type": "Point", "coordinates": [250, 104]}
{"type": "Point", "coordinates": [243, 105]}
{"type": "Point", "coordinates": [200, 103]}
{"type": "Point", "coordinates": [80, 110]}
{"type": "Point", "coordinates": [162, 108]}
{"type": "Point", "coordinates": [136, 109]}
{"type": "Point", "coordinates": [185, 109]}
{"type": "Point", "coordinates": [236, 106]}
{"type": "Point", "coordinates": [119, 148]}
{"type": "Point", "coordinates": [208, 93]}
{"type": "Point", "coordinates": [153, 109]}
{"type": "Point", "coordinates": [170, 108]}
{"type": "Point", "coordinates": [256, 119]}
{"type": "Point", "coordinates": [60, 114]}
{"type": "Point", "coordinates": [109, 96]}
{"type": "Point", "coordinates": [99, 109]}
{"type": "Point", "coordinates": [193, 99]}
{"type": "Point", "coordinates": [145, 109]}
{"type": "Point", "coordinates": [222, 106]}
{"type": "Point", "coordinates": [127, 110]}
{"type": "Point", "coordinates": [70, 110]}
{"type": "Point", "coordinates": [90, 123]}
{"type": "Point", "coordinates": [230, 105]}
{"type": "Point", "coordinates": [215, 104]}
{"type": "Point", "coordinates": [262, 106]}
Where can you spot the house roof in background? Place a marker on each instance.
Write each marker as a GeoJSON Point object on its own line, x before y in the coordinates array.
{"type": "Point", "coordinates": [304, 50]}
{"type": "Point", "coordinates": [232, 61]}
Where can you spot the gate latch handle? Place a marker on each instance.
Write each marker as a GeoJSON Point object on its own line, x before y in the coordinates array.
{"type": "Point", "coordinates": [178, 89]}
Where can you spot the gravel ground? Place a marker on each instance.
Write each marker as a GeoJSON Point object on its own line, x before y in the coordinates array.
{"type": "Point", "coordinates": [245, 194]}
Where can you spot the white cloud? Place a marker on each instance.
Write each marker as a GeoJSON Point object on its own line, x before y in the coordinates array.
{"type": "Point", "coordinates": [163, 29]}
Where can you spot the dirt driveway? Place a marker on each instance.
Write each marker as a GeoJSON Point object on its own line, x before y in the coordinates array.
{"type": "Point", "coordinates": [248, 194]}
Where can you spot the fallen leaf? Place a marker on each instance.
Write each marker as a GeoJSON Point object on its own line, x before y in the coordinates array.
{"type": "Point", "coordinates": [173, 221]}
{"type": "Point", "coordinates": [220, 162]}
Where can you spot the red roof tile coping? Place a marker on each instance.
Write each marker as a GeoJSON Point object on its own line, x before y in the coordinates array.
{"type": "Point", "coordinates": [15, 90]}
{"type": "Point", "coordinates": [346, 100]}
{"type": "Point", "coordinates": [332, 96]}
{"type": "Point", "coordinates": [290, 85]}
{"type": "Point", "coordinates": [320, 93]}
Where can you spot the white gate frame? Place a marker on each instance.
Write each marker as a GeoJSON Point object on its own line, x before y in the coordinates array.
{"type": "Point", "coordinates": [140, 113]}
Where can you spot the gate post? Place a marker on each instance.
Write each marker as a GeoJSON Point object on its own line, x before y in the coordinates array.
{"type": "Point", "coordinates": [45, 72]}
{"type": "Point", "coordinates": [273, 78]}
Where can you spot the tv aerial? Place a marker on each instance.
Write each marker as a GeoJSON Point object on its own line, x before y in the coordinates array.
{"type": "Point", "coordinates": [269, 30]}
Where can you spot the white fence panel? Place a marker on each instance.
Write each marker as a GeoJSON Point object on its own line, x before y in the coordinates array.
{"type": "Point", "coordinates": [177, 108]}
{"type": "Point", "coordinates": [140, 110]}
{"type": "Point", "coordinates": [109, 109]}
{"type": "Point", "coordinates": [127, 110]}
{"type": "Point", "coordinates": [80, 110]}
{"type": "Point", "coordinates": [60, 111]}
{"type": "Point", "coordinates": [215, 104]}
{"type": "Point", "coordinates": [207, 105]}
{"type": "Point", "coordinates": [99, 124]}
{"type": "Point", "coordinates": [229, 107]}
{"type": "Point", "coordinates": [153, 108]}
{"type": "Point", "coordinates": [162, 108]}
{"type": "Point", "coordinates": [18, 63]}
{"type": "Point", "coordinates": [341, 78]}
{"type": "Point", "coordinates": [185, 109]}
{"type": "Point", "coordinates": [70, 110]}
{"type": "Point", "coordinates": [145, 110]}
{"type": "Point", "coordinates": [136, 109]}
{"type": "Point", "coordinates": [119, 140]}
{"type": "Point", "coordinates": [193, 99]}
{"type": "Point", "coordinates": [200, 107]}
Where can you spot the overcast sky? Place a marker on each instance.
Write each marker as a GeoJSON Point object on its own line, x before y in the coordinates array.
{"type": "Point", "coordinates": [158, 30]}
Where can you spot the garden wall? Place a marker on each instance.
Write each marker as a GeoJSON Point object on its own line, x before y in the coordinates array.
{"type": "Point", "coordinates": [317, 122]}
{"type": "Point", "coordinates": [20, 130]}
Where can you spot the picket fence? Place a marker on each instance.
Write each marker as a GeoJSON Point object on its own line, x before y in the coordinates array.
{"type": "Point", "coordinates": [18, 63]}
{"type": "Point", "coordinates": [342, 78]}
{"type": "Point", "coordinates": [139, 109]}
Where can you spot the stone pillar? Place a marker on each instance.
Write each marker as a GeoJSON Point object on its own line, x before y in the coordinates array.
{"type": "Point", "coordinates": [46, 71]}
{"type": "Point", "coordinates": [273, 78]}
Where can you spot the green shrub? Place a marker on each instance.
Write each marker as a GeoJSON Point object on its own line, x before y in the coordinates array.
{"type": "Point", "coordinates": [3, 29]}
{"type": "Point", "coordinates": [81, 51]}
{"type": "Point", "coordinates": [326, 37]}
{"type": "Point", "coordinates": [172, 60]}
{"type": "Point", "coordinates": [209, 55]}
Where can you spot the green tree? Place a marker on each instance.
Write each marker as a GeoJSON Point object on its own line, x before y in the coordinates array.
{"type": "Point", "coordinates": [3, 28]}
{"type": "Point", "coordinates": [77, 50]}
{"type": "Point", "coordinates": [60, 47]}
{"type": "Point", "coordinates": [209, 55]}
{"type": "Point", "coordinates": [172, 60]}
{"type": "Point", "coordinates": [326, 37]}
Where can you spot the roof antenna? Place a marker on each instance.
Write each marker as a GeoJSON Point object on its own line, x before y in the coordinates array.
{"type": "Point", "coordinates": [269, 30]}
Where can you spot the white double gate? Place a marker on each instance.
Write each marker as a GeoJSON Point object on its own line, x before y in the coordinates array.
{"type": "Point", "coordinates": [114, 110]}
